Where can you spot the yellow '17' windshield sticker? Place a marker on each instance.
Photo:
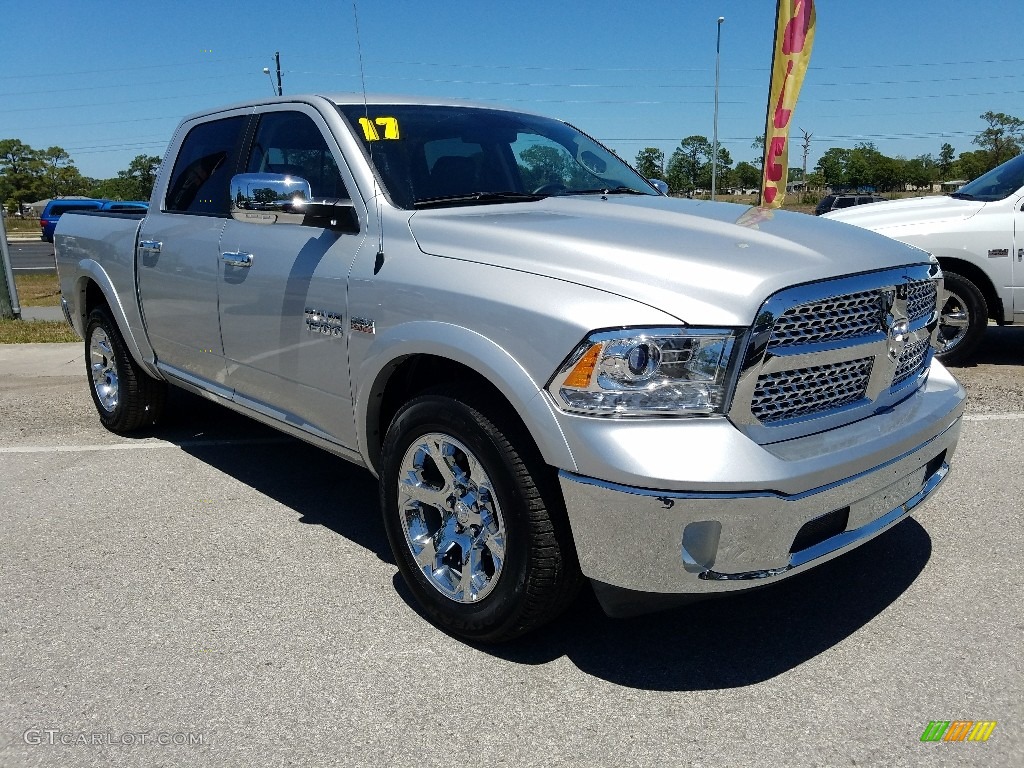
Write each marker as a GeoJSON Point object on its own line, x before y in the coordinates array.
{"type": "Point", "coordinates": [389, 124]}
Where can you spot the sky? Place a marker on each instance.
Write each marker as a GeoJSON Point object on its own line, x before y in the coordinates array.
{"type": "Point", "coordinates": [110, 80]}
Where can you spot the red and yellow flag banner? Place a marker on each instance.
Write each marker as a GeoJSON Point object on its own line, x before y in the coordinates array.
{"type": "Point", "coordinates": [794, 37]}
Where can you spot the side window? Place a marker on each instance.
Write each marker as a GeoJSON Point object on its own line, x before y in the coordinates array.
{"type": "Point", "coordinates": [290, 143]}
{"type": "Point", "coordinates": [843, 202]}
{"type": "Point", "coordinates": [199, 181]}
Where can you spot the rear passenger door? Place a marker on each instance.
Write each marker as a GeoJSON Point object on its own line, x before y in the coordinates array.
{"type": "Point", "coordinates": [283, 287]}
{"type": "Point", "coordinates": [178, 258]}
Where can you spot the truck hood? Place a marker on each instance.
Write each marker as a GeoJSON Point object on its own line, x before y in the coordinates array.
{"type": "Point", "coordinates": [894, 215]}
{"type": "Point", "coordinates": [704, 263]}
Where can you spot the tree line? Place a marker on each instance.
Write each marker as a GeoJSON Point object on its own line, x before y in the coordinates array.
{"type": "Point", "coordinates": [688, 168]}
{"type": "Point", "coordinates": [28, 175]}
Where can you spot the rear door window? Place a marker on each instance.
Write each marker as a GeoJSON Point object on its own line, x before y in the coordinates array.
{"type": "Point", "coordinates": [57, 210]}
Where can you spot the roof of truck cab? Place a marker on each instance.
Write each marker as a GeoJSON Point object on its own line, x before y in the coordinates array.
{"type": "Point", "coordinates": [347, 99]}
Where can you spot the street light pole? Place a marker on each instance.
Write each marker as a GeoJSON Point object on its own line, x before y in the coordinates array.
{"type": "Point", "coordinates": [714, 149]}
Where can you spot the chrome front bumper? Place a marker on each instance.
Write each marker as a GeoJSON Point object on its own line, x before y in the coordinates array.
{"type": "Point", "coordinates": [698, 542]}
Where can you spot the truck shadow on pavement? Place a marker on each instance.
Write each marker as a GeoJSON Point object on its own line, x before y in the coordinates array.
{"type": "Point", "coordinates": [740, 639]}
{"type": "Point", "coordinates": [726, 642]}
{"type": "Point", "coordinates": [322, 489]}
{"type": "Point", "coordinates": [1000, 345]}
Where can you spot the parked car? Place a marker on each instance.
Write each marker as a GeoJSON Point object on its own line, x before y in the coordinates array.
{"type": "Point", "coordinates": [555, 371]}
{"type": "Point", "coordinates": [835, 202]}
{"type": "Point", "coordinates": [53, 210]}
{"type": "Point", "coordinates": [977, 234]}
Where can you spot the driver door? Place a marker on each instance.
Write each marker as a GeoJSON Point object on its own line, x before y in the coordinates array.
{"type": "Point", "coordinates": [283, 313]}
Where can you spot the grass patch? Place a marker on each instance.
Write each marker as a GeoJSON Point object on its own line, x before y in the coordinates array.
{"type": "Point", "coordinates": [36, 332]}
{"type": "Point", "coordinates": [38, 290]}
{"type": "Point", "coordinates": [15, 226]}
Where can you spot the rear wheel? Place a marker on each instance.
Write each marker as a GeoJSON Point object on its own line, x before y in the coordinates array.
{"type": "Point", "coordinates": [963, 317]}
{"type": "Point", "coordinates": [475, 519]}
{"type": "Point", "coordinates": [126, 397]}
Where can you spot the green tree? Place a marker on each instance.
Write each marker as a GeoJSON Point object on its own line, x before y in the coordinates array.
{"type": "Point", "coordinates": [687, 162]}
{"type": "Point", "coordinates": [21, 169]}
{"type": "Point", "coordinates": [746, 175]}
{"type": "Point", "coordinates": [921, 172]}
{"type": "Point", "coordinates": [832, 166]}
{"type": "Point", "coordinates": [59, 176]}
{"type": "Point", "coordinates": [140, 176]}
{"type": "Point", "coordinates": [758, 160]}
{"type": "Point", "coordinates": [971, 165]}
{"type": "Point", "coordinates": [724, 169]}
{"type": "Point", "coordinates": [650, 163]}
{"type": "Point", "coordinates": [1002, 139]}
{"type": "Point", "coordinates": [946, 160]}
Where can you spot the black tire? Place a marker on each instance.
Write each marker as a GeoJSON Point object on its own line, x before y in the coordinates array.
{"type": "Point", "coordinates": [521, 578]}
{"type": "Point", "coordinates": [963, 316]}
{"type": "Point", "coordinates": [126, 397]}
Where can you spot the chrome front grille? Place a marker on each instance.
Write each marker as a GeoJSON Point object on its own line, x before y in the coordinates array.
{"type": "Point", "coordinates": [831, 352]}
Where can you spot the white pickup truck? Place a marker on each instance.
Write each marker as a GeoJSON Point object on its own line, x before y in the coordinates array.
{"type": "Point", "coordinates": [977, 234]}
{"type": "Point", "coordinates": [554, 370]}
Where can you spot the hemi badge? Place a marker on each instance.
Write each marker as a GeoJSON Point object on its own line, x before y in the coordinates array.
{"type": "Point", "coordinates": [996, 253]}
{"type": "Point", "coordinates": [362, 325]}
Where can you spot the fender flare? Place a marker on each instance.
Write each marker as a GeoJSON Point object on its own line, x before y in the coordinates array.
{"type": "Point", "coordinates": [138, 345]}
{"type": "Point", "coordinates": [471, 349]}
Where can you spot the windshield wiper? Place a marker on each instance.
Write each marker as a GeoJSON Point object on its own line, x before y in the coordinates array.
{"type": "Point", "coordinates": [605, 191]}
{"type": "Point", "coordinates": [961, 195]}
{"type": "Point", "coordinates": [479, 197]}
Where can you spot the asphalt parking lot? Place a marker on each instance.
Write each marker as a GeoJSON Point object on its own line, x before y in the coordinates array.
{"type": "Point", "coordinates": [214, 594]}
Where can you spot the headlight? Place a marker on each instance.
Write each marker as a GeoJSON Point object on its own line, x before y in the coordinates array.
{"type": "Point", "coordinates": [646, 371]}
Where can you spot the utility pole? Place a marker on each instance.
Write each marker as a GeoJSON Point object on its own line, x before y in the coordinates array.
{"type": "Point", "coordinates": [807, 151]}
{"type": "Point", "coordinates": [9, 307]}
{"type": "Point", "coordinates": [277, 59]}
{"type": "Point", "coordinates": [714, 146]}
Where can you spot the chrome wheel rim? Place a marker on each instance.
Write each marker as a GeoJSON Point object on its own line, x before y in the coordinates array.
{"type": "Point", "coordinates": [103, 370]}
{"type": "Point", "coordinates": [954, 321]}
{"type": "Point", "coordinates": [452, 520]}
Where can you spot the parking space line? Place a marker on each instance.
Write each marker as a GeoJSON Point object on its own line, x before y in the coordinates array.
{"type": "Point", "coordinates": [140, 445]}
{"type": "Point", "coordinates": [994, 416]}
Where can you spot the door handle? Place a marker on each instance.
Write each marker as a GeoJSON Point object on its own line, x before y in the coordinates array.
{"type": "Point", "coordinates": [237, 259]}
{"type": "Point", "coordinates": [150, 245]}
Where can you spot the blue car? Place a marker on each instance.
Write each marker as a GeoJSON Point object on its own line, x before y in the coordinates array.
{"type": "Point", "coordinates": [54, 209]}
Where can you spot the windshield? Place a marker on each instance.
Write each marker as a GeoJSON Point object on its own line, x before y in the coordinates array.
{"type": "Point", "coordinates": [427, 156]}
{"type": "Point", "coordinates": [997, 184]}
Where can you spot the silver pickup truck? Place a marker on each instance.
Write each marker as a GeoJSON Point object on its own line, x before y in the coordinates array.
{"type": "Point", "coordinates": [556, 372]}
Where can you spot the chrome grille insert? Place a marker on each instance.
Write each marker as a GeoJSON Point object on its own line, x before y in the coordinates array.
{"type": "Point", "coordinates": [920, 299]}
{"type": "Point", "coordinates": [803, 391]}
{"type": "Point", "coordinates": [835, 318]}
{"type": "Point", "coordinates": [910, 362]}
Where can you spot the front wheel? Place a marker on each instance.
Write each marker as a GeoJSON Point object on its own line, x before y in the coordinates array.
{"type": "Point", "coordinates": [962, 319]}
{"type": "Point", "coordinates": [126, 397]}
{"type": "Point", "coordinates": [475, 520]}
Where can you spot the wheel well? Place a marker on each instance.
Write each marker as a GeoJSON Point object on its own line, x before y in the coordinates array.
{"type": "Point", "coordinates": [93, 297]}
{"type": "Point", "coordinates": [411, 376]}
{"type": "Point", "coordinates": [977, 276]}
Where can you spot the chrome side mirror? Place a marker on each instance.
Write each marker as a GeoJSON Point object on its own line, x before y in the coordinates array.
{"type": "Point", "coordinates": [274, 198]}
{"type": "Point", "coordinates": [659, 185]}
{"type": "Point", "coordinates": [269, 198]}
